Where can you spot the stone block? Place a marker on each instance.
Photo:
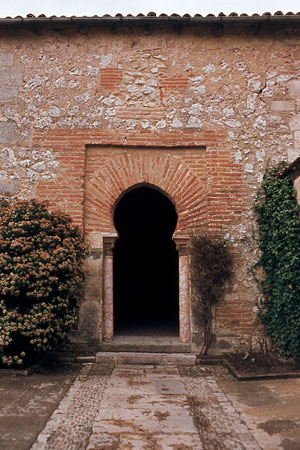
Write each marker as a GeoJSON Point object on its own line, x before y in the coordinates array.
{"type": "Point", "coordinates": [7, 132]}
{"type": "Point", "coordinates": [282, 105]}
{"type": "Point", "coordinates": [89, 316]}
{"type": "Point", "coordinates": [8, 186]}
{"type": "Point", "coordinates": [6, 59]}
{"type": "Point", "coordinates": [297, 138]}
{"type": "Point", "coordinates": [92, 287]}
{"type": "Point", "coordinates": [95, 240]}
{"type": "Point", "coordinates": [295, 123]}
{"type": "Point", "coordinates": [8, 94]}
{"type": "Point", "coordinates": [11, 76]}
{"type": "Point", "coordinates": [293, 153]}
{"type": "Point", "coordinates": [94, 267]}
{"type": "Point", "coordinates": [294, 88]}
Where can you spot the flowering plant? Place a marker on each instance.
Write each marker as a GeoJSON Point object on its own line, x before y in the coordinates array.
{"type": "Point", "coordinates": [41, 271]}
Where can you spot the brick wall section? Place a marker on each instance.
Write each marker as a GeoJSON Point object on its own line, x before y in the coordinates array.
{"type": "Point", "coordinates": [173, 86]}
{"type": "Point", "coordinates": [183, 175]}
{"type": "Point", "coordinates": [226, 193]}
{"type": "Point", "coordinates": [110, 79]}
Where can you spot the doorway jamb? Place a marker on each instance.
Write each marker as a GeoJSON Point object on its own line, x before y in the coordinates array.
{"type": "Point", "coordinates": [184, 290]}
{"type": "Point", "coordinates": [108, 293]}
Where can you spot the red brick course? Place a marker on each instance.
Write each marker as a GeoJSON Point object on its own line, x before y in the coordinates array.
{"type": "Point", "coordinates": [97, 166]}
{"type": "Point", "coordinates": [110, 79]}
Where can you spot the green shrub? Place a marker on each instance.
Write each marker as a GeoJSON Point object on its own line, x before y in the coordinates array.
{"type": "Point", "coordinates": [279, 241]}
{"type": "Point", "coordinates": [41, 272]}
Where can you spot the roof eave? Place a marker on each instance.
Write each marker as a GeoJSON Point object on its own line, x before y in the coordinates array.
{"type": "Point", "coordinates": [159, 20]}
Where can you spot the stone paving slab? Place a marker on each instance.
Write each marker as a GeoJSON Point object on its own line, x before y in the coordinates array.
{"type": "Point", "coordinates": [143, 401]}
{"type": "Point", "coordinates": [138, 441]}
{"type": "Point", "coordinates": [159, 419]}
{"type": "Point", "coordinates": [130, 409]}
{"type": "Point", "coordinates": [169, 386]}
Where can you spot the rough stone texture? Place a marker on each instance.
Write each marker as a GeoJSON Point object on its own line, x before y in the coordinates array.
{"type": "Point", "coordinates": [220, 423]}
{"type": "Point", "coordinates": [69, 427]}
{"type": "Point", "coordinates": [85, 115]}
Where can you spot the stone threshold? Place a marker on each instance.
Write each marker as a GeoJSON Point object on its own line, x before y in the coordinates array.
{"type": "Point", "coordinates": [130, 348]}
{"type": "Point", "coordinates": [178, 359]}
{"type": "Point", "coordinates": [145, 344]}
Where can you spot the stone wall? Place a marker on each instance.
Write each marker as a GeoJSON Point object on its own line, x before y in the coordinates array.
{"type": "Point", "coordinates": [87, 112]}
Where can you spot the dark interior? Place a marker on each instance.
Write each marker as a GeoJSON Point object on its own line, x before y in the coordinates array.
{"type": "Point", "coordinates": [145, 264]}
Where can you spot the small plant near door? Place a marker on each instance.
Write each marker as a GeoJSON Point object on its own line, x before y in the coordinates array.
{"type": "Point", "coordinates": [41, 273]}
{"type": "Point", "coordinates": [211, 269]}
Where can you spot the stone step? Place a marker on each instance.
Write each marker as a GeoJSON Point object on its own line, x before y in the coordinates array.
{"type": "Point", "coordinates": [65, 356]}
{"type": "Point", "coordinates": [145, 344]}
{"type": "Point", "coordinates": [180, 359]}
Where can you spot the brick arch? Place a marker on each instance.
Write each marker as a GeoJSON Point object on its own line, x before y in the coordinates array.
{"type": "Point", "coordinates": [124, 170]}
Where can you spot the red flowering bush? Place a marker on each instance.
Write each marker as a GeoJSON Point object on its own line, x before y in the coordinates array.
{"type": "Point", "coordinates": [41, 271]}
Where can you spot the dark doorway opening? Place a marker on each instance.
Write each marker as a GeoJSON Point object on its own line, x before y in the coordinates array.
{"type": "Point", "coordinates": [145, 264]}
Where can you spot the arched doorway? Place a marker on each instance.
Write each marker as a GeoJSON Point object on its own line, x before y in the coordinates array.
{"type": "Point", "coordinates": [145, 264]}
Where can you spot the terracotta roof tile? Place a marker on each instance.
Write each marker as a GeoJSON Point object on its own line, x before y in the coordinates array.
{"type": "Point", "coordinates": [153, 16]}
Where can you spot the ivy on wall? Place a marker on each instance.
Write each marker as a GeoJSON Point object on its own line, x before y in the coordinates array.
{"type": "Point", "coordinates": [279, 241]}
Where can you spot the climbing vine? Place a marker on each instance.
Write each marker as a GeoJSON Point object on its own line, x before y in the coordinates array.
{"type": "Point", "coordinates": [279, 241]}
{"type": "Point", "coordinates": [211, 268]}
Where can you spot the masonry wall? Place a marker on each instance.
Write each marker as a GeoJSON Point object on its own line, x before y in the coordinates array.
{"type": "Point", "coordinates": [87, 113]}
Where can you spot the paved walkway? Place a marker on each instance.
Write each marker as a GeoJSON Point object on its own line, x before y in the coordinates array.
{"type": "Point", "coordinates": [148, 407]}
{"type": "Point", "coordinates": [143, 408]}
